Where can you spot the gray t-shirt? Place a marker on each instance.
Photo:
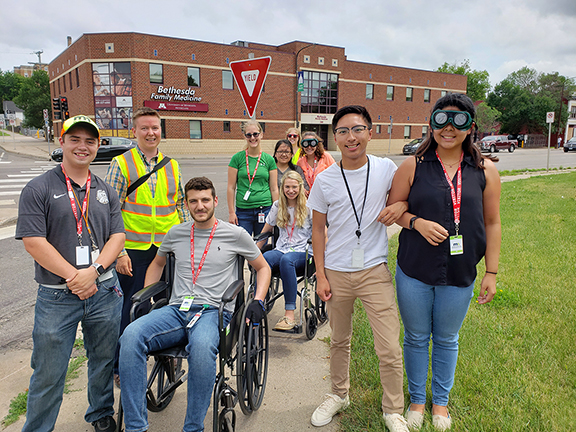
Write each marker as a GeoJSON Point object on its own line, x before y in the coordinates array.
{"type": "Point", "coordinates": [220, 268]}
{"type": "Point", "coordinates": [45, 211]}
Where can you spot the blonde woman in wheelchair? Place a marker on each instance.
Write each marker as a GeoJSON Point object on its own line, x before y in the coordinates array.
{"type": "Point", "coordinates": [294, 221]}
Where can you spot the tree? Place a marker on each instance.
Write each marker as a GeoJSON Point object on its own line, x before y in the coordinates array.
{"type": "Point", "coordinates": [10, 84]}
{"type": "Point", "coordinates": [478, 81]}
{"type": "Point", "coordinates": [487, 118]}
{"type": "Point", "coordinates": [34, 97]}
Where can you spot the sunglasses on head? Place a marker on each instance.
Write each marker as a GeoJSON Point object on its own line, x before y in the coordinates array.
{"type": "Point", "coordinates": [250, 135]}
{"type": "Point", "coordinates": [310, 142]}
{"type": "Point", "coordinates": [292, 136]}
{"type": "Point", "coordinates": [461, 120]}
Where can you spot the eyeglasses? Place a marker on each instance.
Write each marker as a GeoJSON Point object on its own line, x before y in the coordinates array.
{"type": "Point", "coordinates": [461, 120]}
{"type": "Point", "coordinates": [356, 130]}
{"type": "Point", "coordinates": [250, 135]}
{"type": "Point", "coordinates": [284, 152]}
{"type": "Point", "coordinates": [311, 142]}
{"type": "Point", "coordinates": [292, 136]}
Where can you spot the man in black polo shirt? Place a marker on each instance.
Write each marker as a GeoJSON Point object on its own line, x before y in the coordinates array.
{"type": "Point", "coordinates": [70, 222]}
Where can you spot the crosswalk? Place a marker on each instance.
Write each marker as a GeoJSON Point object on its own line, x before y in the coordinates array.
{"type": "Point", "coordinates": [11, 185]}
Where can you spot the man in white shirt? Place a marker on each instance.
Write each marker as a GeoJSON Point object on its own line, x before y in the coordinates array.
{"type": "Point", "coordinates": [350, 197]}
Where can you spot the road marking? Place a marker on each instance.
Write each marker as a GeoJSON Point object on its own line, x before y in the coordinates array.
{"type": "Point", "coordinates": [7, 202]}
{"type": "Point", "coordinates": [5, 162]}
{"type": "Point", "coordinates": [14, 180]}
{"type": "Point", "coordinates": [23, 175]}
{"type": "Point", "coordinates": [13, 185]}
{"type": "Point", "coordinates": [31, 172]}
{"type": "Point", "coordinates": [10, 193]}
{"type": "Point", "coordinates": [7, 232]}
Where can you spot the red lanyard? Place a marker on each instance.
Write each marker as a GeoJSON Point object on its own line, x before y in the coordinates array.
{"type": "Point", "coordinates": [456, 194]}
{"type": "Point", "coordinates": [71, 195]}
{"type": "Point", "coordinates": [208, 243]}
{"type": "Point", "coordinates": [310, 178]}
{"type": "Point", "coordinates": [291, 232]}
{"type": "Point", "coordinates": [251, 179]}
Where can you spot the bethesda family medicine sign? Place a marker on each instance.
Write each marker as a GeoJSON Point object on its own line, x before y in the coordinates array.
{"type": "Point", "coordinates": [173, 93]}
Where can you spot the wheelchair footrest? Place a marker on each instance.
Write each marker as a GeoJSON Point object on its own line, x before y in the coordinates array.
{"type": "Point", "coordinates": [296, 329]}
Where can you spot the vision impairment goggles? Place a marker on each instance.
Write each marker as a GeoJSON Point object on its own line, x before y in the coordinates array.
{"type": "Point", "coordinates": [461, 120]}
{"type": "Point", "coordinates": [312, 142]}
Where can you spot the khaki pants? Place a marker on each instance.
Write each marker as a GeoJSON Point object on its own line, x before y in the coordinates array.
{"type": "Point", "coordinates": [374, 288]}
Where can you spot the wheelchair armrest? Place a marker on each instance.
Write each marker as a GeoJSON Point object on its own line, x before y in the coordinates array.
{"type": "Point", "coordinates": [148, 292]}
{"type": "Point", "coordinates": [263, 236]}
{"type": "Point", "coordinates": [232, 291]}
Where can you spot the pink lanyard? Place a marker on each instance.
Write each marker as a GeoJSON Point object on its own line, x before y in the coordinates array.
{"type": "Point", "coordinates": [208, 243]}
{"type": "Point", "coordinates": [251, 179]}
{"type": "Point", "coordinates": [73, 202]}
{"type": "Point", "coordinates": [456, 194]}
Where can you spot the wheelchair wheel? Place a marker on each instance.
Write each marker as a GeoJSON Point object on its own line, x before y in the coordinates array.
{"type": "Point", "coordinates": [227, 420]}
{"type": "Point", "coordinates": [320, 309]}
{"type": "Point", "coordinates": [165, 372]}
{"type": "Point", "coordinates": [272, 291]}
{"type": "Point", "coordinates": [311, 323]}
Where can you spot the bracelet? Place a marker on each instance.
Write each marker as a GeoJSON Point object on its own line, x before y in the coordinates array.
{"type": "Point", "coordinates": [494, 273]}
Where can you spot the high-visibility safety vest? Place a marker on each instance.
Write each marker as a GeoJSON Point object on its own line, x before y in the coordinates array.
{"type": "Point", "coordinates": [147, 217]}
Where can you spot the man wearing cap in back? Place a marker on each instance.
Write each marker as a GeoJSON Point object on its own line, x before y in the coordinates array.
{"type": "Point", "coordinates": [70, 222]}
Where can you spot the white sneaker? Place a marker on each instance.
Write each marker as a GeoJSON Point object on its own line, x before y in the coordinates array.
{"type": "Point", "coordinates": [395, 423]}
{"type": "Point", "coordinates": [329, 408]}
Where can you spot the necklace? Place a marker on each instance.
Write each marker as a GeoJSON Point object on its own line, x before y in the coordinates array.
{"type": "Point", "coordinates": [450, 165]}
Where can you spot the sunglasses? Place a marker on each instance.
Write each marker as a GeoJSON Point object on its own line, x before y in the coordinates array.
{"type": "Point", "coordinates": [461, 120]}
{"type": "Point", "coordinates": [250, 135]}
{"type": "Point", "coordinates": [292, 136]}
{"type": "Point", "coordinates": [312, 142]}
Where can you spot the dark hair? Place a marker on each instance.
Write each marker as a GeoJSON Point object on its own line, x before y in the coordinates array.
{"type": "Point", "coordinates": [463, 103]}
{"type": "Point", "coordinates": [200, 184]}
{"type": "Point", "coordinates": [351, 109]}
{"type": "Point", "coordinates": [319, 151]}
{"type": "Point", "coordinates": [289, 144]}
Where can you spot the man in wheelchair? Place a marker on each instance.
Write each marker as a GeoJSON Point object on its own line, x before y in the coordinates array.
{"type": "Point", "coordinates": [206, 255]}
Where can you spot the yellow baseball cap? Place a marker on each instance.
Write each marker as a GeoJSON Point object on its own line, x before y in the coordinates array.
{"type": "Point", "coordinates": [73, 121]}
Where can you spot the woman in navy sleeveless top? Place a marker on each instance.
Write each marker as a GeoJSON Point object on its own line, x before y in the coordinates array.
{"type": "Point", "coordinates": [453, 220]}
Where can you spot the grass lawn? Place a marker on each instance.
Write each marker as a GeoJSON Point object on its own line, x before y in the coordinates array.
{"type": "Point", "coordinates": [517, 364]}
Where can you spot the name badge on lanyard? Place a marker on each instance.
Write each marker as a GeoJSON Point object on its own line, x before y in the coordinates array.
{"type": "Point", "coordinates": [456, 242]}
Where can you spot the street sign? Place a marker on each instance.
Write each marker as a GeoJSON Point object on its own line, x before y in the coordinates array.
{"type": "Point", "coordinates": [550, 117]}
{"type": "Point", "coordinates": [250, 76]}
{"type": "Point", "coordinates": [300, 81]}
{"type": "Point", "coordinates": [45, 112]}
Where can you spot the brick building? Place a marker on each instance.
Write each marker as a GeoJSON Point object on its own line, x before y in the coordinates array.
{"type": "Point", "coordinates": [109, 75]}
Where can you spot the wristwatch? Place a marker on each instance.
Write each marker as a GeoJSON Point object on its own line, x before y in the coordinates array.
{"type": "Point", "coordinates": [412, 222]}
{"type": "Point", "coordinates": [99, 268]}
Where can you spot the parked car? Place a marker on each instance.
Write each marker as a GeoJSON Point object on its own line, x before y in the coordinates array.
{"type": "Point", "coordinates": [494, 143]}
{"type": "Point", "coordinates": [570, 145]}
{"type": "Point", "coordinates": [110, 148]}
{"type": "Point", "coordinates": [412, 146]}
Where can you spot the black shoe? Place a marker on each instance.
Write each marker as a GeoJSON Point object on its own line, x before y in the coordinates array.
{"type": "Point", "coordinates": [105, 424]}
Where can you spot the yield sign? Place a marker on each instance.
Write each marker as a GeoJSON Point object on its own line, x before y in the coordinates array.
{"type": "Point", "coordinates": [250, 76]}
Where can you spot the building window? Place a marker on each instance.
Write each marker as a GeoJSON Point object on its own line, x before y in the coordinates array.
{"type": "Point", "coordinates": [320, 94]}
{"type": "Point", "coordinates": [163, 127]}
{"type": "Point", "coordinates": [193, 77]}
{"type": "Point", "coordinates": [369, 91]}
{"type": "Point", "coordinates": [426, 95]}
{"type": "Point", "coordinates": [378, 129]}
{"type": "Point", "coordinates": [156, 74]}
{"type": "Point", "coordinates": [263, 126]}
{"type": "Point", "coordinates": [390, 93]}
{"type": "Point", "coordinates": [443, 93]}
{"type": "Point", "coordinates": [226, 126]}
{"type": "Point", "coordinates": [409, 94]}
{"type": "Point", "coordinates": [407, 132]}
{"type": "Point", "coordinates": [112, 89]}
{"type": "Point", "coordinates": [64, 82]}
{"type": "Point", "coordinates": [70, 79]}
{"type": "Point", "coordinates": [195, 129]}
{"type": "Point", "coordinates": [59, 90]}
{"type": "Point", "coordinates": [227, 80]}
{"type": "Point", "coordinates": [77, 78]}
{"type": "Point", "coordinates": [424, 131]}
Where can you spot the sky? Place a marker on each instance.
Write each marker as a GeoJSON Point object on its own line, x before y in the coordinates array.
{"type": "Point", "coordinates": [500, 36]}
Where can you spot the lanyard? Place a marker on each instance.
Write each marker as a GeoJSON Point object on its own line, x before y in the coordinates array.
{"type": "Point", "coordinates": [291, 232]}
{"type": "Point", "coordinates": [310, 178]}
{"type": "Point", "coordinates": [251, 179]}
{"type": "Point", "coordinates": [208, 243]}
{"type": "Point", "coordinates": [456, 194]}
{"type": "Point", "coordinates": [72, 197]}
{"type": "Point", "coordinates": [358, 220]}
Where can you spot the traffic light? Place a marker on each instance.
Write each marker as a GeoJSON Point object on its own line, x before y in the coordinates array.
{"type": "Point", "coordinates": [56, 107]}
{"type": "Point", "coordinates": [64, 106]}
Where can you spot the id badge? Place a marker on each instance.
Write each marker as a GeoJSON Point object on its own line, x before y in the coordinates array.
{"type": "Point", "coordinates": [261, 217]}
{"type": "Point", "coordinates": [186, 304]}
{"type": "Point", "coordinates": [95, 254]}
{"type": "Point", "coordinates": [358, 258]}
{"type": "Point", "coordinates": [456, 245]}
{"type": "Point", "coordinates": [246, 195]}
{"type": "Point", "coordinates": [195, 319]}
{"type": "Point", "coordinates": [82, 255]}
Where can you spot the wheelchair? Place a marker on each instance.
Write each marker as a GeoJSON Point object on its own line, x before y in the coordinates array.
{"type": "Point", "coordinates": [243, 347]}
{"type": "Point", "coordinates": [312, 308]}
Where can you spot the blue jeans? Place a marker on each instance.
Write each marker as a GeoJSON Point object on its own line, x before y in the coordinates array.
{"type": "Point", "coordinates": [436, 310]}
{"type": "Point", "coordinates": [163, 328]}
{"type": "Point", "coordinates": [248, 219]}
{"type": "Point", "coordinates": [57, 314]}
{"type": "Point", "coordinates": [289, 264]}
